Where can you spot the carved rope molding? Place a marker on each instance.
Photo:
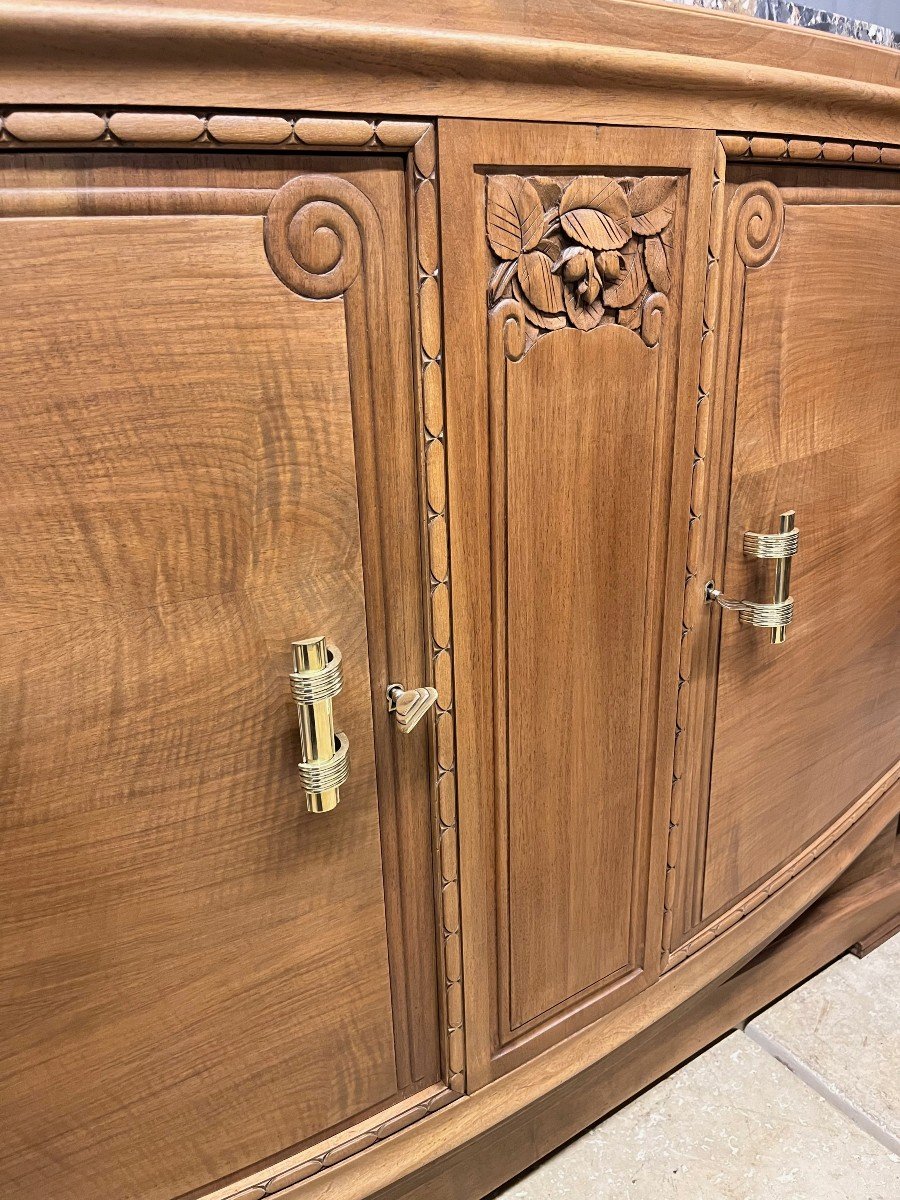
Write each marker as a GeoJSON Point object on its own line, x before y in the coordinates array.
{"type": "Point", "coordinates": [29, 127]}
{"type": "Point", "coordinates": [580, 252]}
{"type": "Point", "coordinates": [430, 371]}
{"type": "Point", "coordinates": [757, 146]}
{"type": "Point", "coordinates": [692, 605]}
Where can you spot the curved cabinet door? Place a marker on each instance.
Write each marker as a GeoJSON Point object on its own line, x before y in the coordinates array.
{"type": "Point", "coordinates": [208, 450]}
{"type": "Point", "coordinates": [806, 733]}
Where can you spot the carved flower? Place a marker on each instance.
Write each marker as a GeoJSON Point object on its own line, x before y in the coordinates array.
{"type": "Point", "coordinates": [581, 286]}
{"type": "Point", "coordinates": [588, 251]}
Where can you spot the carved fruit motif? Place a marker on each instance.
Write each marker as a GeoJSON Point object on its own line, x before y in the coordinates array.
{"type": "Point", "coordinates": [584, 252]}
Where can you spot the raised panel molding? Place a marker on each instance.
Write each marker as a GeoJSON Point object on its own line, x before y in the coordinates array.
{"type": "Point", "coordinates": [744, 236]}
{"type": "Point", "coordinates": [302, 209]}
{"type": "Point", "coordinates": [573, 305]}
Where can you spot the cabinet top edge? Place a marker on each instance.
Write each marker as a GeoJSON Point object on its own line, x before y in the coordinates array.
{"type": "Point", "coordinates": [612, 61]}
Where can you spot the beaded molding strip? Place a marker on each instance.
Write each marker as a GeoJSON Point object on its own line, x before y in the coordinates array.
{"type": "Point", "coordinates": [747, 145]}
{"type": "Point", "coordinates": [126, 128]}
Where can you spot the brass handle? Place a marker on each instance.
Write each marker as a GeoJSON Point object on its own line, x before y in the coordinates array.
{"type": "Point", "coordinates": [324, 764]}
{"type": "Point", "coordinates": [781, 547]}
{"type": "Point", "coordinates": [409, 707]}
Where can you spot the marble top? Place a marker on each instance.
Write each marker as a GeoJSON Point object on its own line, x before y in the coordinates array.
{"type": "Point", "coordinates": [807, 18]}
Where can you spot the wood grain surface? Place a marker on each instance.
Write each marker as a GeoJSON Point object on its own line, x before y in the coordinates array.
{"type": "Point", "coordinates": [573, 632]}
{"type": "Point", "coordinates": [567, 599]}
{"type": "Point", "coordinates": [617, 61]}
{"type": "Point", "coordinates": [187, 952]}
{"type": "Point", "coordinates": [804, 729]}
{"type": "Point", "coordinates": [478, 1143]}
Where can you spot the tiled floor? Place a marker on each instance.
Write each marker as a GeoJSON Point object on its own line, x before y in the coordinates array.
{"type": "Point", "coordinates": [804, 1104]}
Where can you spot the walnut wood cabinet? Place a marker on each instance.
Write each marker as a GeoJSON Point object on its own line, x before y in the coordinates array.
{"type": "Point", "coordinates": [487, 389]}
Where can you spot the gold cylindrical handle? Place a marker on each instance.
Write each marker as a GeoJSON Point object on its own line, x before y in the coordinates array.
{"type": "Point", "coordinates": [783, 572]}
{"type": "Point", "coordinates": [780, 547]}
{"type": "Point", "coordinates": [324, 753]}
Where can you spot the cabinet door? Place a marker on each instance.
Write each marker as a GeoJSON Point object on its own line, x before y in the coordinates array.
{"type": "Point", "coordinates": [806, 733]}
{"type": "Point", "coordinates": [574, 260]}
{"type": "Point", "coordinates": [208, 449]}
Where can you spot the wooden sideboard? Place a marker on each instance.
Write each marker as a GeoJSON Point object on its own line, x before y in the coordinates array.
{"type": "Point", "coordinates": [476, 343]}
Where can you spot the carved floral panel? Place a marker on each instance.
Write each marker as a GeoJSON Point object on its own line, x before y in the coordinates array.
{"type": "Point", "coordinates": [581, 252]}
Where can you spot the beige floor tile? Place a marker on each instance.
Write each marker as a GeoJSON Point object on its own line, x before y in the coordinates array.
{"type": "Point", "coordinates": [841, 1030]}
{"type": "Point", "coordinates": [734, 1124]}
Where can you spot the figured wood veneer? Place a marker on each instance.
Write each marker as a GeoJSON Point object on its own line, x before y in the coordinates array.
{"type": "Point", "coordinates": [809, 829]}
{"type": "Point", "coordinates": [106, 78]}
{"type": "Point", "coordinates": [212, 638]}
{"type": "Point", "coordinates": [804, 730]}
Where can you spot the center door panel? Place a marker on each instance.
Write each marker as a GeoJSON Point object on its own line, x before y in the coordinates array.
{"type": "Point", "coordinates": [573, 267]}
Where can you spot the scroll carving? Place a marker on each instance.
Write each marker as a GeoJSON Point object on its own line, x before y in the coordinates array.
{"type": "Point", "coordinates": [323, 240]}
{"type": "Point", "coordinates": [313, 234]}
{"type": "Point", "coordinates": [758, 222]}
{"type": "Point", "coordinates": [582, 252]}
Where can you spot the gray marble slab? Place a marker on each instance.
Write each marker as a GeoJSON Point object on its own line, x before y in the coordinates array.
{"type": "Point", "coordinates": [807, 18]}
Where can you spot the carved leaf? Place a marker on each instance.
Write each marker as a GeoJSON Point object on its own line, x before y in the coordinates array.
{"type": "Point", "coordinates": [626, 289]}
{"type": "Point", "coordinates": [594, 211]}
{"type": "Point", "coordinates": [515, 216]}
{"type": "Point", "coordinates": [534, 315]}
{"type": "Point", "coordinates": [657, 251]}
{"type": "Point", "coordinates": [652, 203]}
{"type": "Point", "coordinates": [500, 277]}
{"type": "Point", "coordinates": [552, 244]}
{"type": "Point", "coordinates": [584, 316]}
{"type": "Point", "coordinates": [540, 285]}
{"type": "Point", "coordinates": [632, 314]}
{"type": "Point", "coordinates": [549, 190]}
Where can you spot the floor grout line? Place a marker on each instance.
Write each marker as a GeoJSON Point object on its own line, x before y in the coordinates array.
{"type": "Point", "coordinates": [797, 1067]}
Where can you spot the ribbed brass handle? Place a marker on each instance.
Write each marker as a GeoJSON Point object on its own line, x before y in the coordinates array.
{"type": "Point", "coordinates": [780, 547]}
{"type": "Point", "coordinates": [324, 764]}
